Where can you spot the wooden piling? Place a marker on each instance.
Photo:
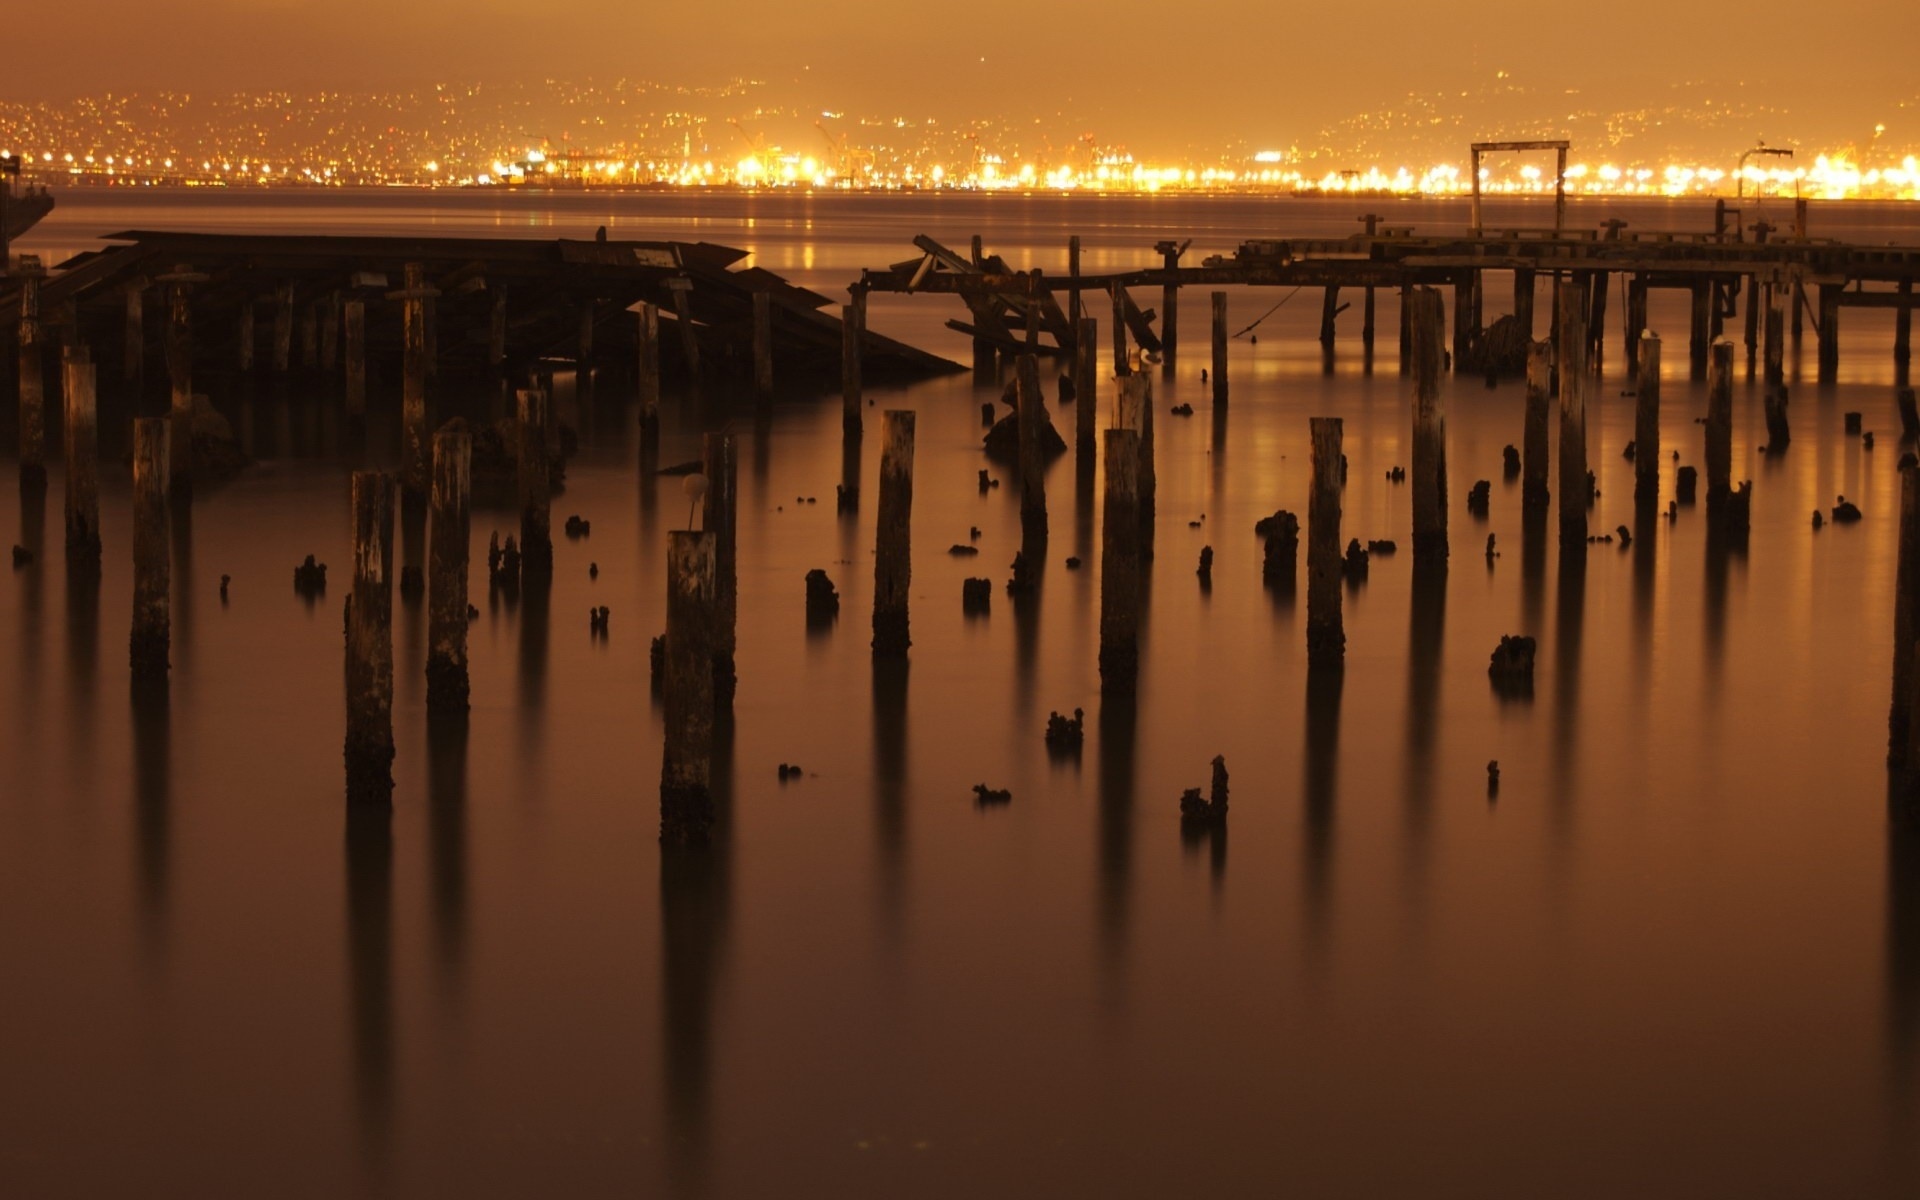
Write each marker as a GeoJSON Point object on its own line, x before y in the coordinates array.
{"type": "Point", "coordinates": [763, 344]}
{"type": "Point", "coordinates": [497, 326]}
{"type": "Point", "coordinates": [447, 541]}
{"type": "Point", "coordinates": [1903, 334]}
{"type": "Point", "coordinates": [1120, 365]}
{"type": "Point", "coordinates": [1220, 348]}
{"type": "Point", "coordinates": [1720, 427]}
{"type": "Point", "coordinates": [180, 374]}
{"type": "Point", "coordinates": [1073, 292]}
{"type": "Point", "coordinates": [330, 333]}
{"type": "Point", "coordinates": [1700, 334]}
{"type": "Point", "coordinates": [720, 516]}
{"type": "Point", "coordinates": [33, 385]}
{"type": "Point", "coordinates": [416, 453]}
{"type": "Point", "coordinates": [369, 742]}
{"type": "Point", "coordinates": [282, 328]}
{"type": "Point", "coordinates": [647, 320]}
{"type": "Point", "coordinates": [1906, 619]}
{"type": "Point", "coordinates": [853, 330]}
{"type": "Point", "coordinates": [1462, 319]}
{"type": "Point", "coordinates": [1406, 329]}
{"type": "Point", "coordinates": [82, 458]}
{"type": "Point", "coordinates": [1597, 323]}
{"type": "Point", "coordinates": [1573, 418]}
{"type": "Point", "coordinates": [1329, 314]}
{"type": "Point", "coordinates": [1429, 430]}
{"type": "Point", "coordinates": [1774, 355]}
{"type": "Point", "coordinates": [1534, 491]}
{"type": "Point", "coordinates": [686, 803]}
{"type": "Point", "coordinates": [1326, 635]}
{"type": "Point", "coordinates": [1120, 566]}
{"type": "Point", "coordinates": [1646, 420]}
{"type": "Point", "coordinates": [133, 358]}
{"type": "Point", "coordinates": [1636, 323]}
{"type": "Point", "coordinates": [892, 543]}
{"type": "Point", "coordinates": [1033, 461]}
{"type": "Point", "coordinates": [1086, 386]}
{"type": "Point", "coordinates": [243, 356]}
{"type": "Point", "coordinates": [1169, 309]}
{"type": "Point", "coordinates": [152, 552]}
{"type": "Point", "coordinates": [536, 517]}
{"type": "Point", "coordinates": [1829, 332]}
{"type": "Point", "coordinates": [356, 322]}
{"type": "Point", "coordinates": [1523, 288]}
{"type": "Point", "coordinates": [310, 336]}
{"type": "Point", "coordinates": [1134, 410]}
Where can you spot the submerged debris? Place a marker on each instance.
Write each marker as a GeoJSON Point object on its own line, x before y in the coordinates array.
{"type": "Point", "coordinates": [976, 595]}
{"type": "Point", "coordinates": [1355, 566]}
{"type": "Point", "coordinates": [1066, 733]}
{"type": "Point", "coordinates": [790, 771]}
{"type": "Point", "coordinates": [1180, 410]}
{"type": "Point", "coordinates": [1282, 559]}
{"type": "Point", "coordinates": [1685, 481]}
{"type": "Point", "coordinates": [961, 550]}
{"type": "Point", "coordinates": [22, 556]}
{"type": "Point", "coordinates": [984, 796]}
{"type": "Point", "coordinates": [1493, 778]}
{"type": "Point", "coordinates": [1210, 811]}
{"type": "Point", "coordinates": [577, 528]}
{"type": "Point", "coordinates": [1479, 497]}
{"type": "Point", "coordinates": [1510, 462]}
{"type": "Point", "coordinates": [1385, 547]}
{"type": "Point", "coordinates": [1511, 668]}
{"type": "Point", "coordinates": [823, 602]}
{"type": "Point", "coordinates": [310, 578]}
{"type": "Point", "coordinates": [1845, 512]}
{"type": "Point", "coordinates": [987, 481]}
{"type": "Point", "coordinates": [1396, 474]}
{"type": "Point", "coordinates": [597, 620]}
{"type": "Point", "coordinates": [1206, 567]}
{"type": "Point", "coordinates": [413, 583]}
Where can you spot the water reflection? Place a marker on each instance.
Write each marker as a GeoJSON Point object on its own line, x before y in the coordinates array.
{"type": "Point", "coordinates": [1425, 633]}
{"type": "Point", "coordinates": [1319, 786]}
{"type": "Point", "coordinates": [1569, 617]}
{"type": "Point", "coordinates": [1533, 566]}
{"type": "Point", "coordinates": [890, 788]}
{"type": "Point", "coordinates": [1646, 533]}
{"type": "Point", "coordinates": [1119, 716]}
{"type": "Point", "coordinates": [153, 807]}
{"type": "Point", "coordinates": [370, 975]}
{"type": "Point", "coordinates": [33, 522]}
{"type": "Point", "coordinates": [447, 834]}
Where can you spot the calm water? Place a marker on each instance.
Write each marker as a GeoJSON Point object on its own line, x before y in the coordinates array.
{"type": "Point", "coordinates": [1679, 955]}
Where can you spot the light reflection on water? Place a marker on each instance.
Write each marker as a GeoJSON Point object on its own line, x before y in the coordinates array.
{"type": "Point", "coordinates": [1678, 952]}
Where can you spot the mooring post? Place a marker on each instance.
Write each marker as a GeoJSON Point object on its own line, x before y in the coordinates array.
{"type": "Point", "coordinates": [1120, 368]}
{"type": "Point", "coordinates": [1534, 492]}
{"type": "Point", "coordinates": [282, 328]}
{"type": "Point", "coordinates": [1086, 388]}
{"type": "Point", "coordinates": [1220, 349]}
{"type": "Point", "coordinates": [1134, 410]}
{"type": "Point", "coordinates": [853, 330]}
{"type": "Point", "coordinates": [243, 350]}
{"type": "Point", "coordinates": [1720, 427]}
{"type": "Point", "coordinates": [1429, 430]}
{"type": "Point", "coordinates": [1033, 461]}
{"type": "Point", "coordinates": [416, 453]}
{"type": "Point", "coordinates": [536, 517]}
{"type": "Point", "coordinates": [180, 374]}
{"type": "Point", "coordinates": [1574, 490]}
{"type": "Point", "coordinates": [647, 321]}
{"type": "Point", "coordinates": [356, 321]}
{"type": "Point", "coordinates": [82, 459]}
{"type": "Point", "coordinates": [1906, 619]}
{"type": "Point", "coordinates": [152, 552]}
{"type": "Point", "coordinates": [720, 516]}
{"type": "Point", "coordinates": [763, 344]}
{"type": "Point", "coordinates": [447, 541]}
{"type": "Point", "coordinates": [1646, 420]}
{"type": "Point", "coordinates": [892, 541]}
{"type": "Point", "coordinates": [1701, 334]}
{"type": "Point", "coordinates": [1326, 636]}
{"type": "Point", "coordinates": [33, 385]}
{"type": "Point", "coordinates": [369, 743]}
{"type": "Point", "coordinates": [1120, 566]}
{"type": "Point", "coordinates": [1903, 334]}
{"type": "Point", "coordinates": [1523, 301]}
{"type": "Point", "coordinates": [1829, 331]}
{"type": "Point", "coordinates": [133, 359]}
{"type": "Point", "coordinates": [686, 803]}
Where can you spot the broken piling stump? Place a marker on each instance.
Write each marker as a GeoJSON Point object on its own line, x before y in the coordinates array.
{"type": "Point", "coordinates": [1033, 463]}
{"type": "Point", "coordinates": [1220, 349]}
{"type": "Point", "coordinates": [893, 547]}
{"type": "Point", "coordinates": [1534, 492]}
{"type": "Point", "coordinates": [1511, 667]}
{"type": "Point", "coordinates": [1120, 565]}
{"type": "Point", "coordinates": [1280, 558]}
{"type": "Point", "coordinates": [823, 601]}
{"type": "Point", "coordinates": [720, 518]}
{"type": "Point", "coordinates": [1719, 427]}
{"type": "Point", "coordinates": [686, 802]}
{"type": "Point", "coordinates": [149, 645]}
{"type": "Point", "coordinates": [1326, 636]}
{"type": "Point", "coordinates": [1429, 429]}
{"type": "Point", "coordinates": [82, 460]}
{"type": "Point", "coordinates": [1646, 420]}
{"type": "Point", "coordinates": [447, 540]}
{"type": "Point", "coordinates": [1572, 362]}
{"type": "Point", "coordinates": [532, 470]}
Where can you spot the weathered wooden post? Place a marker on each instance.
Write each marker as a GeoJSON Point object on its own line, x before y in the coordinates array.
{"type": "Point", "coordinates": [447, 541]}
{"type": "Point", "coordinates": [330, 333]}
{"type": "Point", "coordinates": [1326, 635]}
{"type": "Point", "coordinates": [583, 351]}
{"type": "Point", "coordinates": [33, 385]}
{"type": "Point", "coordinates": [1463, 329]}
{"type": "Point", "coordinates": [356, 320]}
{"type": "Point", "coordinates": [1086, 388]}
{"type": "Point", "coordinates": [686, 804]}
{"type": "Point", "coordinates": [1429, 429]}
{"type": "Point", "coordinates": [1829, 331]}
{"type": "Point", "coordinates": [1574, 492]}
{"type": "Point", "coordinates": [1597, 323]}
{"type": "Point", "coordinates": [180, 373]}
{"type": "Point", "coordinates": [763, 344]}
{"type": "Point", "coordinates": [1073, 290]}
{"type": "Point", "coordinates": [1033, 461]}
{"type": "Point", "coordinates": [416, 455]}
{"type": "Point", "coordinates": [310, 336]}
{"type": "Point", "coordinates": [1636, 322]}
{"type": "Point", "coordinates": [647, 318]}
{"type": "Point", "coordinates": [536, 517]}
{"type": "Point", "coordinates": [1523, 288]}
{"type": "Point", "coordinates": [1700, 336]}
{"type": "Point", "coordinates": [892, 543]}
{"type": "Point", "coordinates": [1906, 619]}
{"type": "Point", "coordinates": [1406, 329]}
{"type": "Point", "coordinates": [1135, 411]}
{"type": "Point", "coordinates": [282, 328]}
{"type": "Point", "coordinates": [720, 516]}
{"type": "Point", "coordinates": [1720, 427]}
{"type": "Point", "coordinates": [1120, 366]}
{"type": "Point", "coordinates": [1329, 316]}
{"type": "Point", "coordinates": [497, 326]}
{"type": "Point", "coordinates": [152, 553]}
{"type": "Point", "coordinates": [369, 743]}
{"type": "Point", "coordinates": [1646, 420]}
{"type": "Point", "coordinates": [1169, 306]}
{"type": "Point", "coordinates": [853, 336]}
{"type": "Point", "coordinates": [82, 459]}
{"type": "Point", "coordinates": [1534, 492]}
{"type": "Point", "coordinates": [1903, 334]}
{"type": "Point", "coordinates": [1120, 566]}
{"type": "Point", "coordinates": [133, 359]}
{"type": "Point", "coordinates": [1774, 355]}
{"type": "Point", "coordinates": [1220, 348]}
